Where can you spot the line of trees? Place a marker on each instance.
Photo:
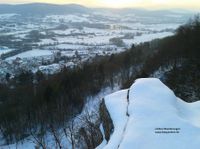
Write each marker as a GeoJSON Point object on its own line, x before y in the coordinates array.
{"type": "Point", "coordinates": [34, 101]}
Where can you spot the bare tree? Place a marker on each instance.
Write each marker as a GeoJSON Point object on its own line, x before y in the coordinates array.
{"type": "Point", "coordinates": [56, 136]}
{"type": "Point", "coordinates": [90, 130]}
{"type": "Point", "coordinates": [39, 139]}
{"type": "Point", "coordinates": [70, 132]}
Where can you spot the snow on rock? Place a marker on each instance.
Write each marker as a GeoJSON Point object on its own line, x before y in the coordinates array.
{"type": "Point", "coordinates": [104, 141]}
{"type": "Point", "coordinates": [152, 118]}
{"type": "Point", "coordinates": [119, 118]}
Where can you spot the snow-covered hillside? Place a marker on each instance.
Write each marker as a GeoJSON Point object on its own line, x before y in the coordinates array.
{"type": "Point", "coordinates": [150, 116]}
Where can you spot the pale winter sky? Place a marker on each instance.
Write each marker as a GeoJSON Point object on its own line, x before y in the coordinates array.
{"type": "Point", "coordinates": [151, 4]}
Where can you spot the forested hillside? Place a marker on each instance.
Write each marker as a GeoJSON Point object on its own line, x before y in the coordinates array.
{"type": "Point", "coordinates": [29, 100]}
{"type": "Point", "coordinates": [179, 55]}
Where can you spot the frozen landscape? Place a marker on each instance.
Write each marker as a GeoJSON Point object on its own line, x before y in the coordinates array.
{"type": "Point", "coordinates": [66, 40]}
{"type": "Point", "coordinates": [66, 72]}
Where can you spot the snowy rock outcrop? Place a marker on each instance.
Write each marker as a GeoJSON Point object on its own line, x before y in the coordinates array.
{"type": "Point", "coordinates": [150, 116]}
{"type": "Point", "coordinates": [106, 121]}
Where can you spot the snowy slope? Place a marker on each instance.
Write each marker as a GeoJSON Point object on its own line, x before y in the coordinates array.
{"type": "Point", "coordinates": [155, 118]}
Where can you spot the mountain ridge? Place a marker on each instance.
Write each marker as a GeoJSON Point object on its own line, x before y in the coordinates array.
{"type": "Point", "coordinates": [42, 9]}
{"type": "Point", "coordinates": [48, 8]}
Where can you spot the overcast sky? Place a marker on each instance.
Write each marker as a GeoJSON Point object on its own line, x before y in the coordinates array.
{"type": "Point", "coordinates": [188, 4]}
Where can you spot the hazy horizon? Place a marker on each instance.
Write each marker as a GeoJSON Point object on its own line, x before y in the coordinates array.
{"type": "Point", "coordinates": [146, 4]}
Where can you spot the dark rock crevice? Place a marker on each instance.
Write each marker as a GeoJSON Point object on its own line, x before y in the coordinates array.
{"type": "Point", "coordinates": [106, 120]}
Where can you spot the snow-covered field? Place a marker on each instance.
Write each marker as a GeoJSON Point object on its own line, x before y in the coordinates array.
{"type": "Point", "coordinates": [149, 37]}
{"type": "Point", "coordinates": [152, 117]}
{"type": "Point", "coordinates": [31, 54]}
{"type": "Point", "coordinates": [78, 37]}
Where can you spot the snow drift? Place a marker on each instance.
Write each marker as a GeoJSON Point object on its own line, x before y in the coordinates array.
{"type": "Point", "coordinates": [150, 116]}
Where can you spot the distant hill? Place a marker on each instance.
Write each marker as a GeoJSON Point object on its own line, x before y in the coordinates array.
{"type": "Point", "coordinates": [146, 12]}
{"type": "Point", "coordinates": [43, 9]}
{"type": "Point", "coordinates": [47, 9]}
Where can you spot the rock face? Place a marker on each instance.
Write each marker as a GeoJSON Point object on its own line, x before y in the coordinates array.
{"type": "Point", "coordinates": [91, 134]}
{"type": "Point", "coordinates": [106, 121]}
